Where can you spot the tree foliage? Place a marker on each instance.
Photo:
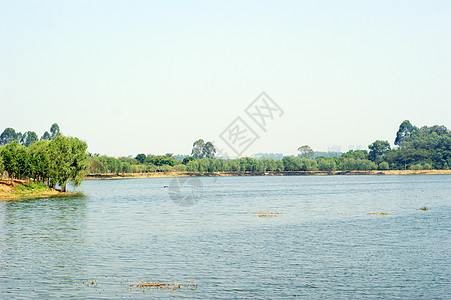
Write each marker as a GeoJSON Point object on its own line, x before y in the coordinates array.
{"type": "Point", "coordinates": [306, 151]}
{"type": "Point", "coordinates": [202, 149]}
{"type": "Point", "coordinates": [378, 150]}
{"type": "Point", "coordinates": [59, 161]}
{"type": "Point", "coordinates": [55, 130]}
{"type": "Point", "coordinates": [406, 129]}
{"type": "Point", "coordinates": [9, 135]}
{"type": "Point", "coordinates": [141, 157]}
{"type": "Point", "coordinates": [26, 139]}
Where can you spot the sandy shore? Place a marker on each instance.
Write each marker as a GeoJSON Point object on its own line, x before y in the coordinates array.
{"type": "Point", "coordinates": [283, 173]}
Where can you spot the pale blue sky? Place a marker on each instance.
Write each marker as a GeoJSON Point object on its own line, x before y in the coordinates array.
{"type": "Point", "coordinates": [153, 76]}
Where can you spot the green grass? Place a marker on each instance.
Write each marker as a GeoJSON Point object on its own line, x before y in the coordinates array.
{"type": "Point", "coordinates": [32, 187]}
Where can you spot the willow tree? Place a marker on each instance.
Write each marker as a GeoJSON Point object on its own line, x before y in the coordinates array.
{"type": "Point", "coordinates": [69, 161]}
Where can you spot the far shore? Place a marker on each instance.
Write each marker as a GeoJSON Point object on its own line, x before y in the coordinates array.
{"type": "Point", "coordinates": [8, 191]}
{"type": "Point", "coordinates": [275, 173]}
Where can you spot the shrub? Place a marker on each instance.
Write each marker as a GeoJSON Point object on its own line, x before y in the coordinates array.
{"type": "Point", "coordinates": [383, 165]}
{"type": "Point", "coordinates": [326, 164]}
{"type": "Point", "coordinates": [427, 166]}
{"type": "Point", "coordinates": [180, 168]}
{"type": "Point", "coordinates": [416, 167]}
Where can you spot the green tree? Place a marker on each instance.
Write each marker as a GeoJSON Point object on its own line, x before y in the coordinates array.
{"type": "Point", "coordinates": [180, 168]}
{"type": "Point", "coordinates": [55, 130]}
{"type": "Point", "coordinates": [326, 164]}
{"type": "Point", "coordinates": [10, 159]}
{"type": "Point", "coordinates": [384, 166]}
{"type": "Point", "coordinates": [306, 151]}
{"type": "Point", "coordinates": [269, 163]}
{"type": "Point", "coordinates": [8, 136]}
{"type": "Point", "coordinates": [20, 138]}
{"type": "Point", "coordinates": [23, 162]}
{"type": "Point", "coordinates": [365, 165]}
{"type": "Point", "coordinates": [187, 159]}
{"type": "Point", "coordinates": [279, 165]}
{"type": "Point", "coordinates": [202, 149]}
{"type": "Point", "coordinates": [208, 150]}
{"type": "Point", "coordinates": [308, 164]}
{"type": "Point", "coordinates": [198, 149]}
{"type": "Point", "coordinates": [416, 167]}
{"type": "Point", "coordinates": [126, 167]}
{"type": "Point", "coordinates": [378, 149]}
{"type": "Point", "coordinates": [29, 138]}
{"type": "Point", "coordinates": [69, 161]}
{"type": "Point", "coordinates": [406, 129]}
{"type": "Point", "coordinates": [96, 166]}
{"type": "Point", "coordinates": [362, 154]}
{"type": "Point", "coordinates": [16, 160]}
{"type": "Point", "coordinates": [291, 163]}
{"type": "Point", "coordinates": [40, 160]}
{"type": "Point", "coordinates": [160, 160]}
{"type": "Point", "coordinates": [141, 158]}
{"type": "Point", "coordinates": [192, 166]}
{"type": "Point", "coordinates": [46, 136]}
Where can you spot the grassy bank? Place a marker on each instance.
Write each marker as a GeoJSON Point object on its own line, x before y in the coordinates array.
{"type": "Point", "coordinates": [20, 189]}
{"type": "Point", "coordinates": [281, 173]}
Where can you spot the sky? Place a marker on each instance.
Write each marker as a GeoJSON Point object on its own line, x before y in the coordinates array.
{"type": "Point", "coordinates": [152, 77]}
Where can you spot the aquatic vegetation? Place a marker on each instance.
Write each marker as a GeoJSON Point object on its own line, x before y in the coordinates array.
{"type": "Point", "coordinates": [378, 213]}
{"type": "Point", "coordinates": [267, 214]}
{"type": "Point", "coordinates": [423, 208]}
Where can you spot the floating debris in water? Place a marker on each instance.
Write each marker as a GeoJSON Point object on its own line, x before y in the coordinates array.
{"type": "Point", "coordinates": [267, 214]}
{"type": "Point", "coordinates": [90, 283]}
{"type": "Point", "coordinates": [163, 286]}
{"type": "Point", "coordinates": [378, 213]}
{"type": "Point", "coordinates": [423, 208]}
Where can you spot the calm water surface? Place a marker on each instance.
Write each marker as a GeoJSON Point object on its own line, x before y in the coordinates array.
{"type": "Point", "coordinates": [322, 245]}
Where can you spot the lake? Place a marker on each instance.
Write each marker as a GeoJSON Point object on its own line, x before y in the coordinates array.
{"type": "Point", "coordinates": [207, 234]}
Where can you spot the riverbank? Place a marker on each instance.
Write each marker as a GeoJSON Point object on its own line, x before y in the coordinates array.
{"type": "Point", "coordinates": [275, 173]}
{"type": "Point", "coordinates": [21, 189]}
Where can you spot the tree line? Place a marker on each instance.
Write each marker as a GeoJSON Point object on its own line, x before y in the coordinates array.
{"type": "Point", "coordinates": [54, 159]}
{"type": "Point", "coordinates": [415, 149]}
{"type": "Point", "coordinates": [10, 135]}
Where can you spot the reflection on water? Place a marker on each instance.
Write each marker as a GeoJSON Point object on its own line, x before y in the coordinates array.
{"type": "Point", "coordinates": [323, 244]}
